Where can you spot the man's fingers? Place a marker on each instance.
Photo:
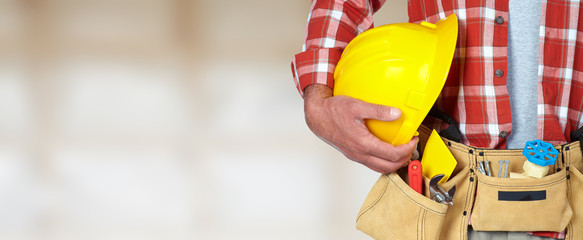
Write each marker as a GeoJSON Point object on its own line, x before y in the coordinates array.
{"type": "Point", "coordinates": [386, 158]}
{"type": "Point", "coordinates": [378, 148]}
{"type": "Point", "coordinates": [376, 111]}
{"type": "Point", "coordinates": [410, 146]}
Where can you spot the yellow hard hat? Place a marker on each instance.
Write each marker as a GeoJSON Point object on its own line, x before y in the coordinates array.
{"type": "Point", "coordinates": [401, 65]}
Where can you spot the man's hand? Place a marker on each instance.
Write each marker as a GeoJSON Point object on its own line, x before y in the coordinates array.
{"type": "Point", "coordinates": [339, 121]}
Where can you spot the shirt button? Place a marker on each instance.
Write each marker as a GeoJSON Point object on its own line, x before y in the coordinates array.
{"type": "Point", "coordinates": [499, 73]}
{"type": "Point", "coordinates": [503, 134]}
{"type": "Point", "coordinates": [499, 20]}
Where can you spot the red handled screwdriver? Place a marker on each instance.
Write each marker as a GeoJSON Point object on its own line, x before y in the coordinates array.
{"type": "Point", "coordinates": [415, 176]}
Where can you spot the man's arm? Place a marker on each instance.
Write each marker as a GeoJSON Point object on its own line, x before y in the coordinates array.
{"type": "Point", "coordinates": [339, 120]}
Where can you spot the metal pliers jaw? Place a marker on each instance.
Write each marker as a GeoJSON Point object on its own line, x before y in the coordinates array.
{"type": "Point", "coordinates": [438, 194]}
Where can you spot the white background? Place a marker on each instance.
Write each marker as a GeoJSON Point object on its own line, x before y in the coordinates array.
{"type": "Point", "coordinates": [160, 119]}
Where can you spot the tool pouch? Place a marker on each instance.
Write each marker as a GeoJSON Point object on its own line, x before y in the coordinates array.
{"type": "Point", "coordinates": [521, 204]}
{"type": "Point", "coordinates": [393, 210]}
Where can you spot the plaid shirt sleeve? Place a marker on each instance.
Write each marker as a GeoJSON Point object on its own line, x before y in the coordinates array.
{"type": "Point", "coordinates": [331, 25]}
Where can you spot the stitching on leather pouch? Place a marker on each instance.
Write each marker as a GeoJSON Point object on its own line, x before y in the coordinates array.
{"type": "Point", "coordinates": [570, 228]}
{"type": "Point", "coordinates": [376, 201]}
{"type": "Point", "coordinates": [419, 222]}
{"type": "Point", "coordinates": [469, 200]}
{"type": "Point", "coordinates": [423, 216]}
{"type": "Point", "coordinates": [456, 147]}
{"type": "Point", "coordinates": [526, 186]}
{"type": "Point", "coordinates": [568, 163]}
{"type": "Point", "coordinates": [511, 153]}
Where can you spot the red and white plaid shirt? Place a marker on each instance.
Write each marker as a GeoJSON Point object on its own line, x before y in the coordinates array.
{"type": "Point", "coordinates": [473, 94]}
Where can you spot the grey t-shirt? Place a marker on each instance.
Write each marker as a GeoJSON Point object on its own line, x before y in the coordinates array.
{"type": "Point", "coordinates": [522, 74]}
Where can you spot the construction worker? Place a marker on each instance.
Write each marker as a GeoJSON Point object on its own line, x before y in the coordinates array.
{"type": "Point", "coordinates": [516, 76]}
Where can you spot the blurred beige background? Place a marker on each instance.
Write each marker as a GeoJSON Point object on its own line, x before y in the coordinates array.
{"type": "Point", "coordinates": [165, 119]}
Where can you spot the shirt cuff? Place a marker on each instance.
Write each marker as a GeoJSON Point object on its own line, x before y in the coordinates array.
{"type": "Point", "coordinates": [315, 66]}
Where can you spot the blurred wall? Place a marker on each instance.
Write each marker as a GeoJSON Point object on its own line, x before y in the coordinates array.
{"type": "Point", "coordinates": [165, 119]}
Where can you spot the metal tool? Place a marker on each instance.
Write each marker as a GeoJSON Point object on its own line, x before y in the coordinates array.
{"type": "Point", "coordinates": [504, 163]}
{"type": "Point", "coordinates": [488, 171]}
{"type": "Point", "coordinates": [438, 194]}
{"type": "Point", "coordinates": [416, 176]}
{"type": "Point", "coordinates": [506, 168]}
{"type": "Point", "coordinates": [481, 167]}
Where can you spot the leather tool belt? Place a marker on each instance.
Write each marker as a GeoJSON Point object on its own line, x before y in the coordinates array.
{"type": "Point", "coordinates": [393, 210]}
